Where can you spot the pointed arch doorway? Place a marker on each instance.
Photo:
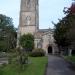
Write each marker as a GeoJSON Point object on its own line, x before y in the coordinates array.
{"type": "Point", "coordinates": [49, 49]}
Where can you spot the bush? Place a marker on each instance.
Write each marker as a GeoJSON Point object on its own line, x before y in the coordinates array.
{"type": "Point", "coordinates": [26, 41]}
{"type": "Point", "coordinates": [37, 53]}
{"type": "Point", "coordinates": [19, 57]}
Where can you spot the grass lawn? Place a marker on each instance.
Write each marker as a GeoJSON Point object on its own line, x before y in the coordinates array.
{"type": "Point", "coordinates": [36, 67]}
{"type": "Point", "coordinates": [71, 58]}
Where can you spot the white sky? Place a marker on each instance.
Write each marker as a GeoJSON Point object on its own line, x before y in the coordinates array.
{"type": "Point", "coordinates": [49, 10]}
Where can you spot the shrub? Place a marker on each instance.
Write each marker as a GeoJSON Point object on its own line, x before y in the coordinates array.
{"type": "Point", "coordinates": [37, 53]}
{"type": "Point", "coordinates": [19, 57]}
{"type": "Point", "coordinates": [26, 41]}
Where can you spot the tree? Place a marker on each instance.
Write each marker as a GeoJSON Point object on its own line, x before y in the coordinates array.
{"type": "Point", "coordinates": [71, 18]}
{"type": "Point", "coordinates": [27, 42]}
{"type": "Point", "coordinates": [65, 28]}
{"type": "Point", "coordinates": [7, 33]}
{"type": "Point", "coordinates": [60, 32]}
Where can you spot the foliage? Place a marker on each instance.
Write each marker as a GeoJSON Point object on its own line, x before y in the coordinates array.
{"type": "Point", "coordinates": [37, 67]}
{"type": "Point", "coordinates": [22, 57]}
{"type": "Point", "coordinates": [64, 31]}
{"type": "Point", "coordinates": [37, 53]}
{"type": "Point", "coordinates": [60, 33]}
{"type": "Point", "coordinates": [70, 58]}
{"type": "Point", "coordinates": [7, 33]}
{"type": "Point", "coordinates": [19, 57]}
{"type": "Point", "coordinates": [27, 42]}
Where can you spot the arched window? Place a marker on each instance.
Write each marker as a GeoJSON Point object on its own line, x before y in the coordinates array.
{"type": "Point", "coordinates": [28, 3]}
{"type": "Point", "coordinates": [27, 20]}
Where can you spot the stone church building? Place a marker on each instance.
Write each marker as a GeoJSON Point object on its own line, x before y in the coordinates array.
{"type": "Point", "coordinates": [29, 23]}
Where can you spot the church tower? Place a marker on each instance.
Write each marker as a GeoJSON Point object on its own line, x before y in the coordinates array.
{"type": "Point", "coordinates": [29, 17]}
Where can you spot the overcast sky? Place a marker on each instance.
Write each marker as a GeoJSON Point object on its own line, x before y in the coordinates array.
{"type": "Point", "coordinates": [49, 10]}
